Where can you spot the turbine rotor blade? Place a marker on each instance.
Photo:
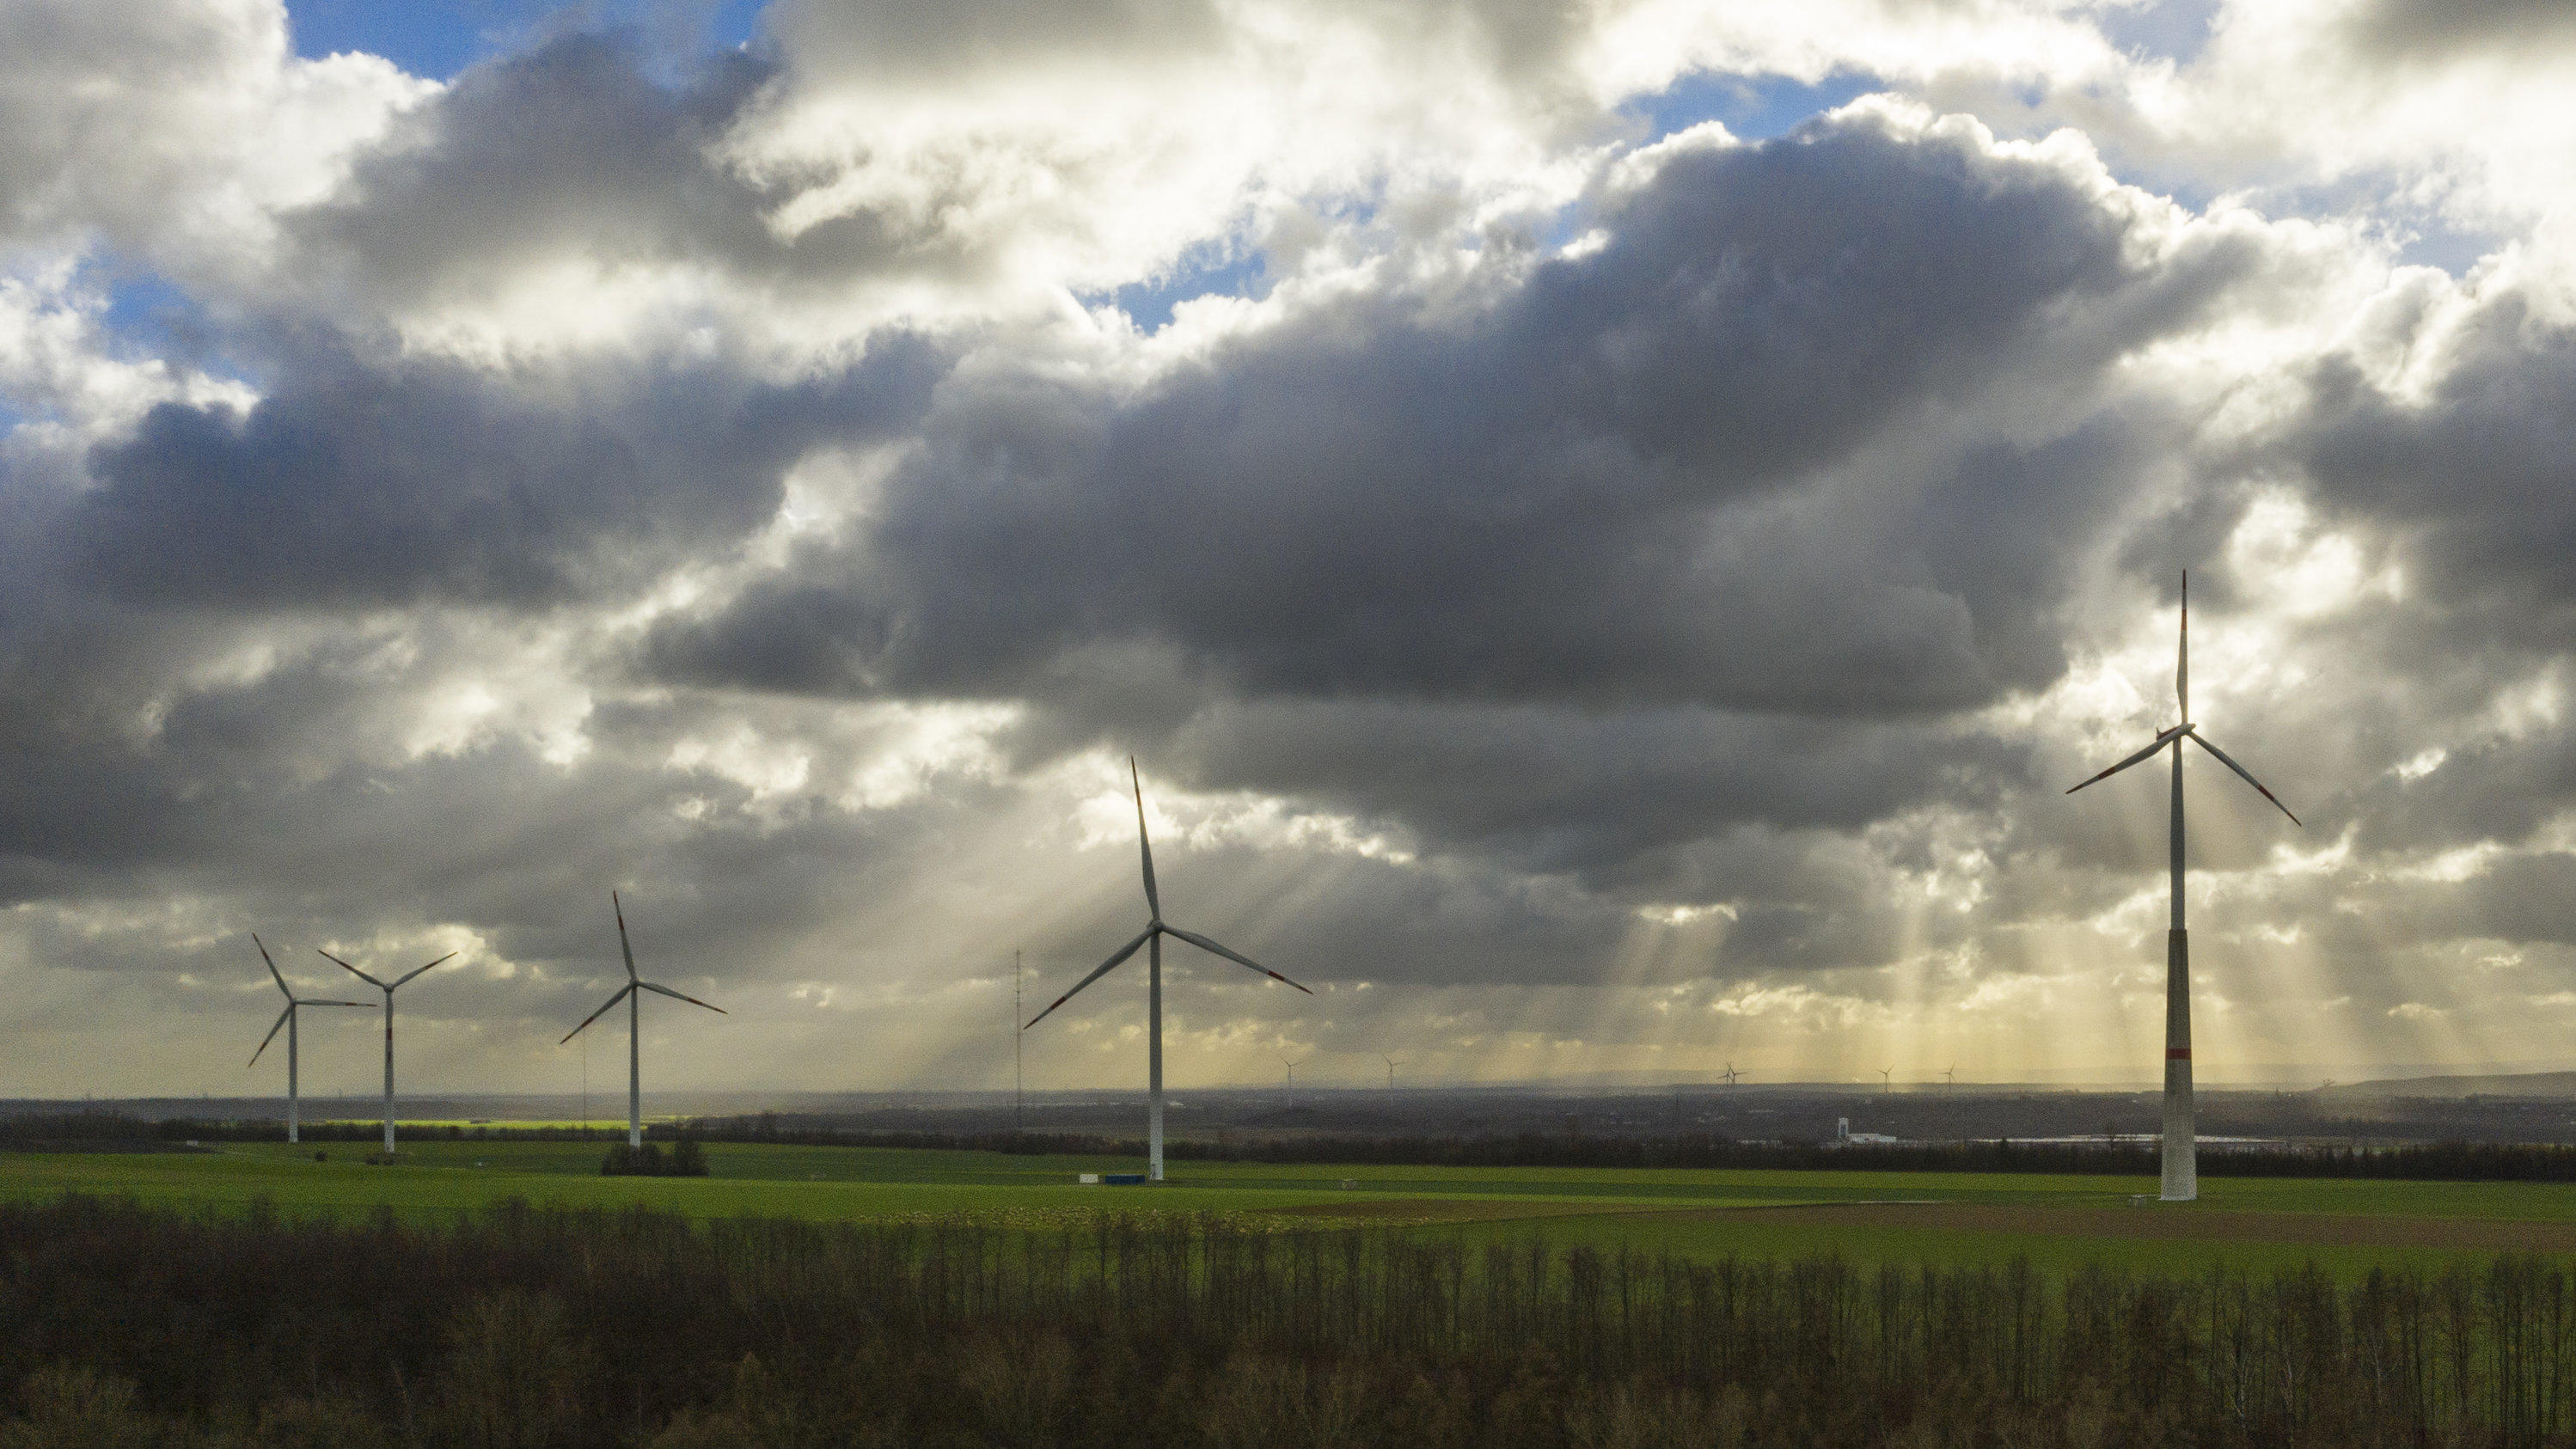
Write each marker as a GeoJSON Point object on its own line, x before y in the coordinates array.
{"type": "Point", "coordinates": [448, 957]}
{"type": "Point", "coordinates": [1204, 944]}
{"type": "Point", "coordinates": [676, 996]}
{"type": "Point", "coordinates": [362, 1005]}
{"type": "Point", "coordinates": [2161, 741]}
{"type": "Point", "coordinates": [1103, 969]}
{"type": "Point", "coordinates": [596, 1015]}
{"type": "Point", "coordinates": [272, 1032]}
{"type": "Point", "coordinates": [2247, 776]}
{"type": "Point", "coordinates": [272, 966]}
{"type": "Point", "coordinates": [617, 906]}
{"type": "Point", "coordinates": [2182, 654]}
{"type": "Point", "coordinates": [352, 970]}
{"type": "Point", "coordinates": [1153, 901]}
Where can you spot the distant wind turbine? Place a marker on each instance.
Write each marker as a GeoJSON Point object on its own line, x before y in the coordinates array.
{"type": "Point", "coordinates": [389, 1033]}
{"type": "Point", "coordinates": [1887, 1079]}
{"type": "Point", "coordinates": [1730, 1074]}
{"type": "Point", "coordinates": [1152, 942]}
{"type": "Point", "coordinates": [632, 994]}
{"type": "Point", "coordinates": [2181, 1163]}
{"type": "Point", "coordinates": [1391, 1065]}
{"type": "Point", "coordinates": [286, 1019]}
{"type": "Point", "coordinates": [1291, 1065]}
{"type": "Point", "coordinates": [1949, 1076]}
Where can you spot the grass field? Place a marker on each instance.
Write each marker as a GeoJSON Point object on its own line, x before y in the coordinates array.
{"type": "Point", "coordinates": [1870, 1217]}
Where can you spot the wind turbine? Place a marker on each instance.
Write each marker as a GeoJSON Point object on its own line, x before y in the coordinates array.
{"type": "Point", "coordinates": [286, 1019]}
{"type": "Point", "coordinates": [1391, 1065]}
{"type": "Point", "coordinates": [2181, 1163]}
{"type": "Point", "coordinates": [631, 994]}
{"type": "Point", "coordinates": [1291, 1064]}
{"type": "Point", "coordinates": [1730, 1074]}
{"type": "Point", "coordinates": [1152, 941]}
{"type": "Point", "coordinates": [1887, 1079]}
{"type": "Point", "coordinates": [389, 1034]}
{"type": "Point", "coordinates": [1949, 1076]}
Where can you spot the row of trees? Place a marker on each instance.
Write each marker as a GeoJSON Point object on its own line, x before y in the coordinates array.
{"type": "Point", "coordinates": [521, 1326]}
{"type": "Point", "coordinates": [2445, 1161]}
{"type": "Point", "coordinates": [2439, 1161]}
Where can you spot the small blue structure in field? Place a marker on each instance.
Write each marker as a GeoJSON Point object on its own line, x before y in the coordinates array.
{"type": "Point", "coordinates": [1123, 1179]}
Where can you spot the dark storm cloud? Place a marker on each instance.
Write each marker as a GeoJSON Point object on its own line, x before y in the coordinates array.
{"type": "Point", "coordinates": [1602, 796]}
{"type": "Point", "coordinates": [577, 154]}
{"type": "Point", "coordinates": [931, 46]}
{"type": "Point", "coordinates": [360, 483]}
{"type": "Point", "coordinates": [2437, 29]}
{"type": "Point", "coordinates": [2478, 482]}
{"type": "Point", "coordinates": [1729, 461]}
{"type": "Point", "coordinates": [242, 798]}
{"type": "Point", "coordinates": [940, 44]}
{"type": "Point", "coordinates": [2467, 492]}
{"type": "Point", "coordinates": [570, 151]}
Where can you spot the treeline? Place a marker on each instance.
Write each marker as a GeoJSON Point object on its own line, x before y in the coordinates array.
{"type": "Point", "coordinates": [2438, 1161]}
{"type": "Point", "coordinates": [2421, 1161]}
{"type": "Point", "coordinates": [530, 1327]}
{"type": "Point", "coordinates": [90, 1131]}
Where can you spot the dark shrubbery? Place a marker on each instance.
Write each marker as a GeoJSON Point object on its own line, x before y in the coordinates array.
{"type": "Point", "coordinates": [85, 1131]}
{"type": "Point", "coordinates": [635, 1328]}
{"type": "Point", "coordinates": [687, 1159]}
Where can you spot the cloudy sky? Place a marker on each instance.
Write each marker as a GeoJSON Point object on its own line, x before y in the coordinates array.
{"type": "Point", "coordinates": [1608, 527]}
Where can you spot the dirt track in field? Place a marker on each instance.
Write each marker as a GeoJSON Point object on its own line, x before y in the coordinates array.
{"type": "Point", "coordinates": [2172, 1224]}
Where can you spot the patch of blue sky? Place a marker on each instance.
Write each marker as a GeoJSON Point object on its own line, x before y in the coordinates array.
{"type": "Point", "coordinates": [438, 38]}
{"type": "Point", "coordinates": [148, 315]}
{"type": "Point", "coordinates": [2453, 251]}
{"type": "Point", "coordinates": [2420, 234]}
{"type": "Point", "coordinates": [1756, 108]}
{"type": "Point", "coordinates": [152, 311]}
{"type": "Point", "coordinates": [2175, 30]}
{"type": "Point", "coordinates": [1206, 270]}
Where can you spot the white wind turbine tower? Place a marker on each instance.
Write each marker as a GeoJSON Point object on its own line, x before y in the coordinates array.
{"type": "Point", "coordinates": [389, 1033]}
{"type": "Point", "coordinates": [286, 1019]}
{"type": "Point", "coordinates": [2181, 1165]}
{"type": "Point", "coordinates": [1391, 1065]}
{"type": "Point", "coordinates": [632, 994]}
{"type": "Point", "coordinates": [1887, 1079]}
{"type": "Point", "coordinates": [1152, 941]}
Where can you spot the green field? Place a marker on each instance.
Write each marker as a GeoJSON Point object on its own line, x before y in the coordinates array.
{"type": "Point", "coordinates": [1870, 1217]}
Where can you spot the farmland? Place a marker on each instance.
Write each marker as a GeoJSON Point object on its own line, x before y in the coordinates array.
{"type": "Point", "coordinates": [1945, 1219]}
